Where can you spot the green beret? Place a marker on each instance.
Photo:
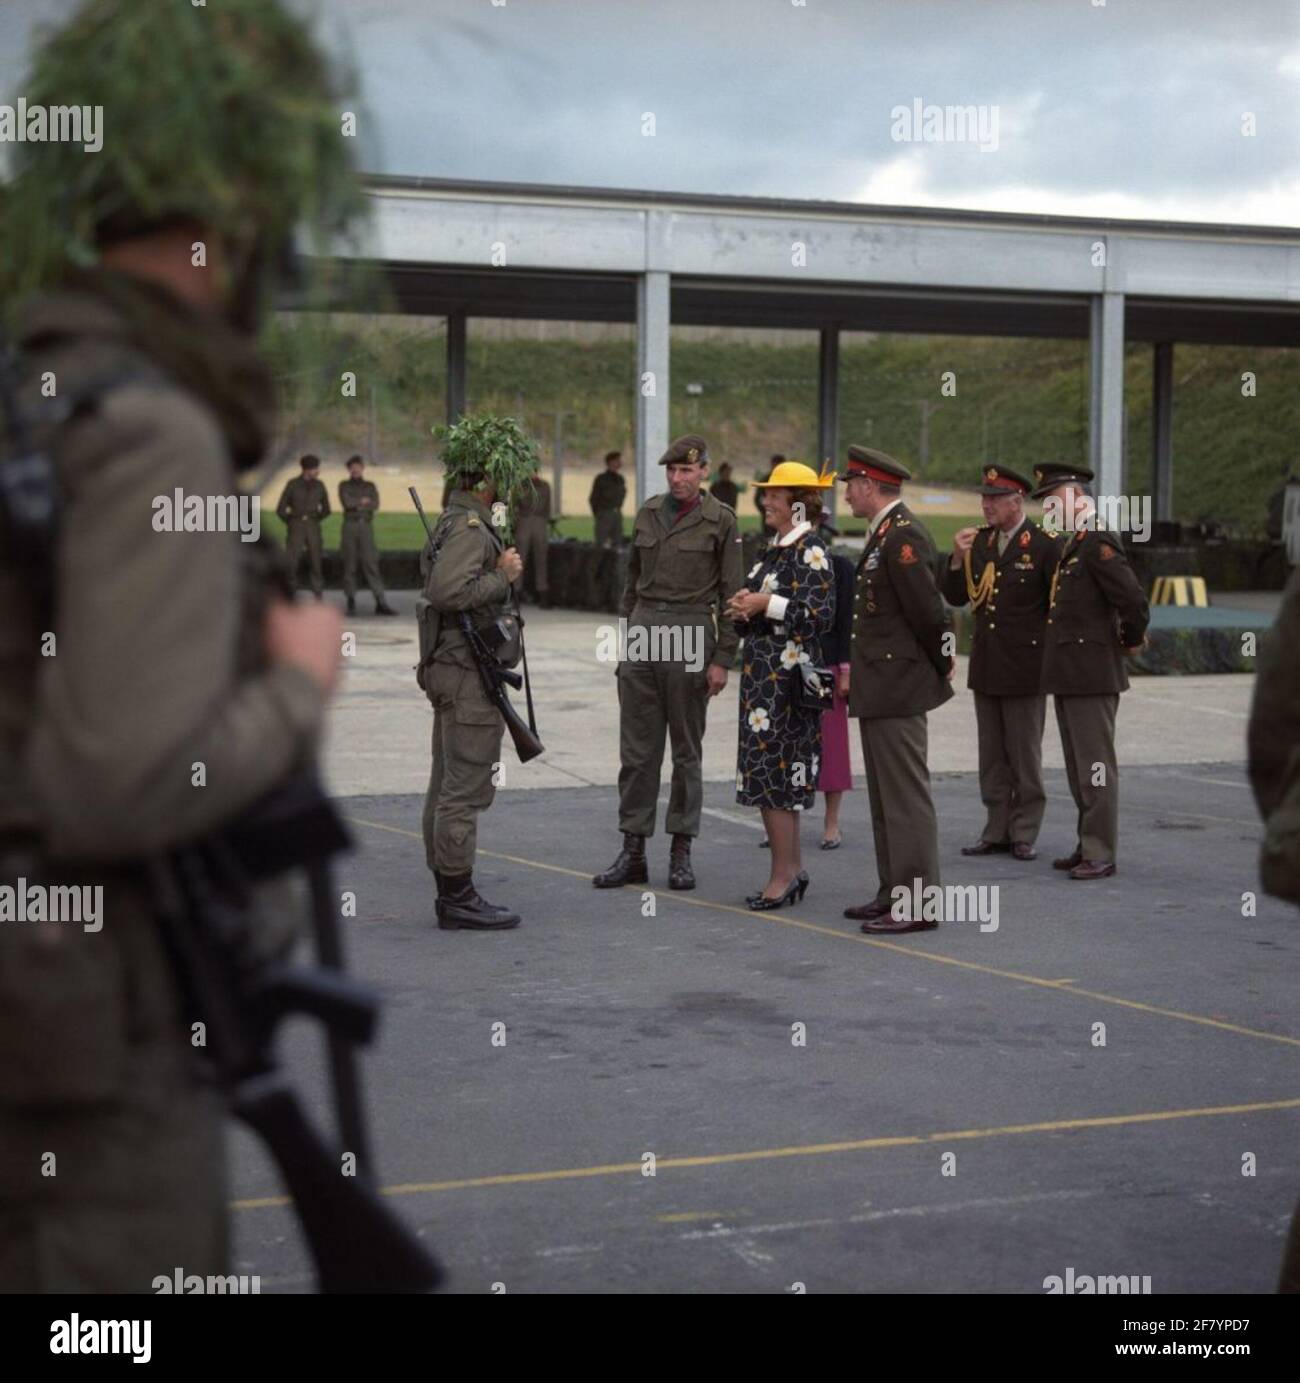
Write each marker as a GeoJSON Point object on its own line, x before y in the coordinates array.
{"type": "Point", "coordinates": [689, 449]}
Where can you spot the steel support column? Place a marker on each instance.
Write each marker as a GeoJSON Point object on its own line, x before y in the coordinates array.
{"type": "Point", "coordinates": [652, 341]}
{"type": "Point", "coordinates": [1162, 430]}
{"type": "Point", "coordinates": [455, 366]}
{"type": "Point", "coordinates": [828, 405]}
{"type": "Point", "coordinates": [1106, 392]}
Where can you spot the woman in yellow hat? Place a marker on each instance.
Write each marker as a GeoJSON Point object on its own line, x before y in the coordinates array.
{"type": "Point", "coordinates": [784, 609]}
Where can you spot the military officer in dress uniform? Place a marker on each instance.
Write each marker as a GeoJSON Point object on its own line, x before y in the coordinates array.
{"type": "Point", "coordinates": [684, 565]}
{"type": "Point", "coordinates": [1097, 613]}
{"type": "Point", "coordinates": [899, 669]}
{"type": "Point", "coordinates": [303, 504]}
{"type": "Point", "coordinates": [360, 500]}
{"type": "Point", "coordinates": [1004, 571]}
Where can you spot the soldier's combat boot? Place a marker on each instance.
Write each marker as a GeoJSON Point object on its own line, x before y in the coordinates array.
{"type": "Point", "coordinates": [382, 607]}
{"type": "Point", "coordinates": [680, 873]}
{"type": "Point", "coordinates": [629, 868]}
{"type": "Point", "coordinates": [461, 908]}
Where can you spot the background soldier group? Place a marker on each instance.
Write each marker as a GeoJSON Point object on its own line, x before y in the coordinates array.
{"type": "Point", "coordinates": [304, 503]}
{"type": "Point", "coordinates": [360, 500]}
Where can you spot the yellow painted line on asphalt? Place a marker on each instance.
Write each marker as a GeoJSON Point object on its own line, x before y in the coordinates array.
{"type": "Point", "coordinates": [688, 1216]}
{"type": "Point", "coordinates": [1060, 986]}
{"type": "Point", "coordinates": [806, 1150]}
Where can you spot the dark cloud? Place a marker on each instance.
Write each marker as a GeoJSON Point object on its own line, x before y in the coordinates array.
{"type": "Point", "coordinates": [1132, 108]}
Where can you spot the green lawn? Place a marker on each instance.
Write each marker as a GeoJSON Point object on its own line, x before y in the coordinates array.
{"type": "Point", "coordinates": [404, 533]}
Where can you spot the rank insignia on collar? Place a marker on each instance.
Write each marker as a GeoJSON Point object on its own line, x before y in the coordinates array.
{"type": "Point", "coordinates": [1107, 552]}
{"type": "Point", "coordinates": [1024, 538]}
{"type": "Point", "coordinates": [993, 536]}
{"type": "Point", "coordinates": [884, 528]}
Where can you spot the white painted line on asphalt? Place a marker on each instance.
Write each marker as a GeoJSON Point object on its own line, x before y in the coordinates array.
{"type": "Point", "coordinates": [734, 817]}
{"type": "Point", "coordinates": [1187, 705]}
{"type": "Point", "coordinates": [898, 1212]}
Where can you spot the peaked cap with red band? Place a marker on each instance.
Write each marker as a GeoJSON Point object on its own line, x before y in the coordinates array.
{"type": "Point", "coordinates": [1002, 480]}
{"type": "Point", "coordinates": [875, 465]}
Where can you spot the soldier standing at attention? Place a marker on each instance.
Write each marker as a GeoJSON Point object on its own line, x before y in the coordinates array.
{"type": "Point", "coordinates": [1098, 612]}
{"type": "Point", "coordinates": [304, 503]}
{"type": "Point", "coordinates": [1004, 571]}
{"type": "Point", "coordinates": [685, 564]}
{"type": "Point", "coordinates": [608, 491]}
{"type": "Point", "coordinates": [1273, 760]}
{"type": "Point", "coordinates": [532, 528]}
{"type": "Point", "coordinates": [899, 671]}
{"type": "Point", "coordinates": [488, 461]}
{"type": "Point", "coordinates": [759, 481]}
{"type": "Point", "coordinates": [173, 650]}
{"type": "Point", "coordinates": [360, 500]}
{"type": "Point", "coordinates": [724, 488]}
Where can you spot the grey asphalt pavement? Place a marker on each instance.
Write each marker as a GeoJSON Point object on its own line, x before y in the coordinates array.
{"type": "Point", "coordinates": [951, 1117]}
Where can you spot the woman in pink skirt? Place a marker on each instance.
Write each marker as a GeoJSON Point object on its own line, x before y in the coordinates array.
{"type": "Point", "coordinates": [836, 776]}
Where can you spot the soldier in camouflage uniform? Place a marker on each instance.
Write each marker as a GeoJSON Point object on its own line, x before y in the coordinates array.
{"type": "Point", "coordinates": [684, 566]}
{"type": "Point", "coordinates": [1273, 758]}
{"type": "Point", "coordinates": [303, 504]}
{"type": "Point", "coordinates": [360, 500]}
{"type": "Point", "coordinates": [171, 651]}
{"type": "Point", "coordinates": [469, 569]}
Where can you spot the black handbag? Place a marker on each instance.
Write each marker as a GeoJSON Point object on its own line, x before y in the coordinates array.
{"type": "Point", "coordinates": [814, 688]}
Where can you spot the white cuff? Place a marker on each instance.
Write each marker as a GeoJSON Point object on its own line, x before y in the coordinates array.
{"type": "Point", "coordinates": [776, 607]}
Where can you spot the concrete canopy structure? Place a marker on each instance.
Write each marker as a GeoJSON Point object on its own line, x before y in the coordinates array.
{"type": "Point", "coordinates": [464, 249]}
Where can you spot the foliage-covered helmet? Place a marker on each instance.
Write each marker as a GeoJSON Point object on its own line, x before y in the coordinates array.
{"type": "Point", "coordinates": [224, 114]}
{"type": "Point", "coordinates": [491, 449]}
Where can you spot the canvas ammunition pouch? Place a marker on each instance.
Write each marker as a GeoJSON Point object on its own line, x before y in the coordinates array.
{"type": "Point", "coordinates": [504, 638]}
{"type": "Point", "coordinates": [428, 625]}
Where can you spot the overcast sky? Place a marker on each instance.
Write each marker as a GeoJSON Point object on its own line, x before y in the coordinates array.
{"type": "Point", "coordinates": [1127, 108]}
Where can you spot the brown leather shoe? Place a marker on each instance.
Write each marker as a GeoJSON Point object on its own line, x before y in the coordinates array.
{"type": "Point", "coordinates": [985, 847]}
{"type": "Point", "coordinates": [866, 911]}
{"type": "Point", "coordinates": [1022, 850]}
{"type": "Point", "coordinates": [1093, 869]}
{"type": "Point", "coordinates": [1068, 861]}
{"type": "Point", "coordinates": [896, 926]}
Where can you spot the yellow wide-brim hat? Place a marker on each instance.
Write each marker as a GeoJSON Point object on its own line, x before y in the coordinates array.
{"type": "Point", "coordinates": [794, 475]}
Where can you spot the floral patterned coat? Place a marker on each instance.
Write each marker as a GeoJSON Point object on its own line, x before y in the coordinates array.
{"type": "Point", "coordinates": [780, 744]}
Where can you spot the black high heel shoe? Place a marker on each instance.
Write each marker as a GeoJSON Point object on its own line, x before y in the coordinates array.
{"type": "Point", "coordinates": [757, 902]}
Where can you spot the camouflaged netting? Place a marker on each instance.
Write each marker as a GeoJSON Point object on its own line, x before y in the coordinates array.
{"type": "Point", "coordinates": [226, 114]}
{"type": "Point", "coordinates": [495, 448]}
